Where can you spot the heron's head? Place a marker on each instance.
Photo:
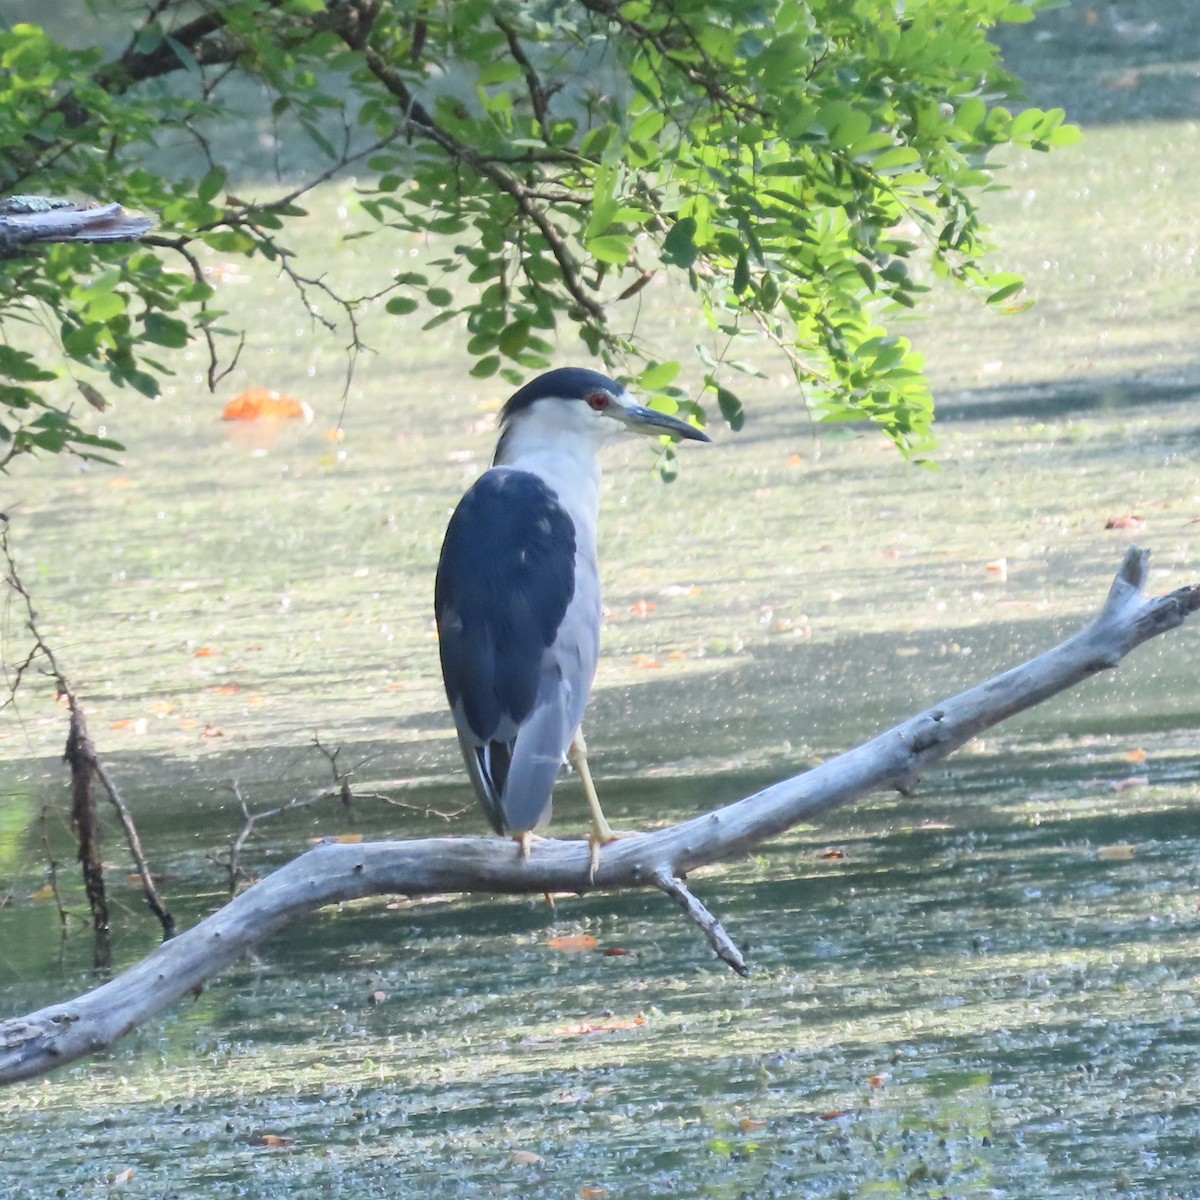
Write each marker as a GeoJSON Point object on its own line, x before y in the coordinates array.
{"type": "Point", "coordinates": [575, 403]}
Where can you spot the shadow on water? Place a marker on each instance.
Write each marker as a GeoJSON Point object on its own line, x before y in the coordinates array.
{"type": "Point", "coordinates": [1058, 399]}
{"type": "Point", "coordinates": [1107, 62]}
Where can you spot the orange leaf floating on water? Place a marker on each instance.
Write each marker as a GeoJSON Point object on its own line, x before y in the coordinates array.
{"type": "Point", "coordinates": [643, 608]}
{"type": "Point", "coordinates": [226, 689]}
{"type": "Point", "coordinates": [204, 652]}
{"type": "Point", "coordinates": [1132, 521]}
{"type": "Point", "coordinates": [273, 1141]}
{"type": "Point", "coordinates": [525, 1158]}
{"type": "Point", "coordinates": [592, 1193]}
{"type": "Point", "coordinates": [834, 1114]}
{"type": "Point", "coordinates": [266, 404]}
{"type": "Point", "coordinates": [587, 1027]}
{"type": "Point", "coordinates": [125, 1176]}
{"type": "Point", "coordinates": [646, 662]}
{"type": "Point", "coordinates": [997, 568]}
{"type": "Point", "coordinates": [752, 1124]}
{"type": "Point", "coordinates": [573, 943]}
{"type": "Point", "coordinates": [130, 725]}
{"type": "Point", "coordinates": [1135, 756]}
{"type": "Point", "coordinates": [879, 1080]}
{"type": "Point", "coordinates": [795, 460]}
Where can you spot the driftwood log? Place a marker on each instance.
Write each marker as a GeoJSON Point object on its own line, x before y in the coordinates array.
{"type": "Point", "coordinates": [330, 873]}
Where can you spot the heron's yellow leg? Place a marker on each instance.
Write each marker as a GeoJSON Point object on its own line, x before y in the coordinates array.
{"type": "Point", "coordinates": [602, 833]}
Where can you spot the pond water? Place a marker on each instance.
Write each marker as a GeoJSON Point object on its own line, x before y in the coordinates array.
{"type": "Point", "coordinates": [990, 992]}
{"type": "Point", "coordinates": [988, 989]}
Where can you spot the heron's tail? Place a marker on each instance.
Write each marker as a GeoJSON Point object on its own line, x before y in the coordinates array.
{"type": "Point", "coordinates": [537, 757]}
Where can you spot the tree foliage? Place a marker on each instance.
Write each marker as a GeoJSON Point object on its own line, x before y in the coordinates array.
{"type": "Point", "coordinates": [800, 165]}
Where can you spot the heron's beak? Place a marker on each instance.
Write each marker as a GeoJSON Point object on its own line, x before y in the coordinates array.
{"type": "Point", "coordinates": [647, 420]}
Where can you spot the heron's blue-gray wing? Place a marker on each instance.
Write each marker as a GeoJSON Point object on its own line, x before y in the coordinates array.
{"type": "Point", "coordinates": [505, 579]}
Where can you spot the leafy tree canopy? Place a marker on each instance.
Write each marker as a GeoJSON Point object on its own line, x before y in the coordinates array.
{"type": "Point", "coordinates": [799, 164]}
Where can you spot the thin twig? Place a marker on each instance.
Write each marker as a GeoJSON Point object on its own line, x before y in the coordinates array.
{"type": "Point", "coordinates": [713, 930]}
{"type": "Point", "coordinates": [80, 751]}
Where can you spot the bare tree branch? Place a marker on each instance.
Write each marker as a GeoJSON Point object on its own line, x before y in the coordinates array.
{"type": "Point", "coordinates": [333, 872]}
{"type": "Point", "coordinates": [85, 765]}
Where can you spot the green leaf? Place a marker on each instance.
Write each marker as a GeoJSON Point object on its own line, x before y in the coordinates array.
{"type": "Point", "coordinates": [211, 184]}
{"type": "Point", "coordinates": [486, 366]}
{"type": "Point", "coordinates": [679, 246]}
{"type": "Point", "coordinates": [658, 376]}
{"type": "Point", "coordinates": [731, 409]}
{"type": "Point", "coordinates": [610, 249]}
{"type": "Point", "coordinates": [166, 331]}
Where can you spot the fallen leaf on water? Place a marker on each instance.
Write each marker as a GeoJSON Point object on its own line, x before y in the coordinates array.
{"type": "Point", "coordinates": [587, 1027]}
{"type": "Point", "coordinates": [834, 1113]}
{"type": "Point", "coordinates": [341, 839]}
{"type": "Point", "coordinates": [997, 568]}
{"type": "Point", "coordinates": [525, 1158]}
{"type": "Point", "coordinates": [204, 652]}
{"type": "Point", "coordinates": [1124, 81]}
{"type": "Point", "coordinates": [573, 943]}
{"type": "Point", "coordinates": [645, 662]}
{"type": "Point", "coordinates": [262, 403]}
{"type": "Point", "coordinates": [1134, 781]}
{"type": "Point", "coordinates": [879, 1080]}
{"type": "Point", "coordinates": [273, 1141]}
{"type": "Point", "coordinates": [1119, 852]}
{"type": "Point", "coordinates": [642, 608]}
{"type": "Point", "coordinates": [1135, 756]}
{"type": "Point", "coordinates": [129, 725]}
{"type": "Point", "coordinates": [752, 1124]}
{"type": "Point", "coordinates": [592, 1193]}
{"type": "Point", "coordinates": [795, 460]}
{"type": "Point", "coordinates": [226, 689]}
{"type": "Point", "coordinates": [124, 1176]}
{"type": "Point", "coordinates": [1133, 521]}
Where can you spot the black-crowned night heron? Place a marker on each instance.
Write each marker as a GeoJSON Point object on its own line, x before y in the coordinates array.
{"type": "Point", "coordinates": [517, 596]}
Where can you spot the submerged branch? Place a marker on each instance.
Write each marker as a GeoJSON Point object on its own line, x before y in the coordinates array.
{"type": "Point", "coordinates": [332, 873]}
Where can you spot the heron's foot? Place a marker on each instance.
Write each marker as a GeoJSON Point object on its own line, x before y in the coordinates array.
{"type": "Point", "coordinates": [525, 841]}
{"type": "Point", "coordinates": [602, 833]}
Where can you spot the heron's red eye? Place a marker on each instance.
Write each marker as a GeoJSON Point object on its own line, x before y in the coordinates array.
{"type": "Point", "coordinates": [598, 401]}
